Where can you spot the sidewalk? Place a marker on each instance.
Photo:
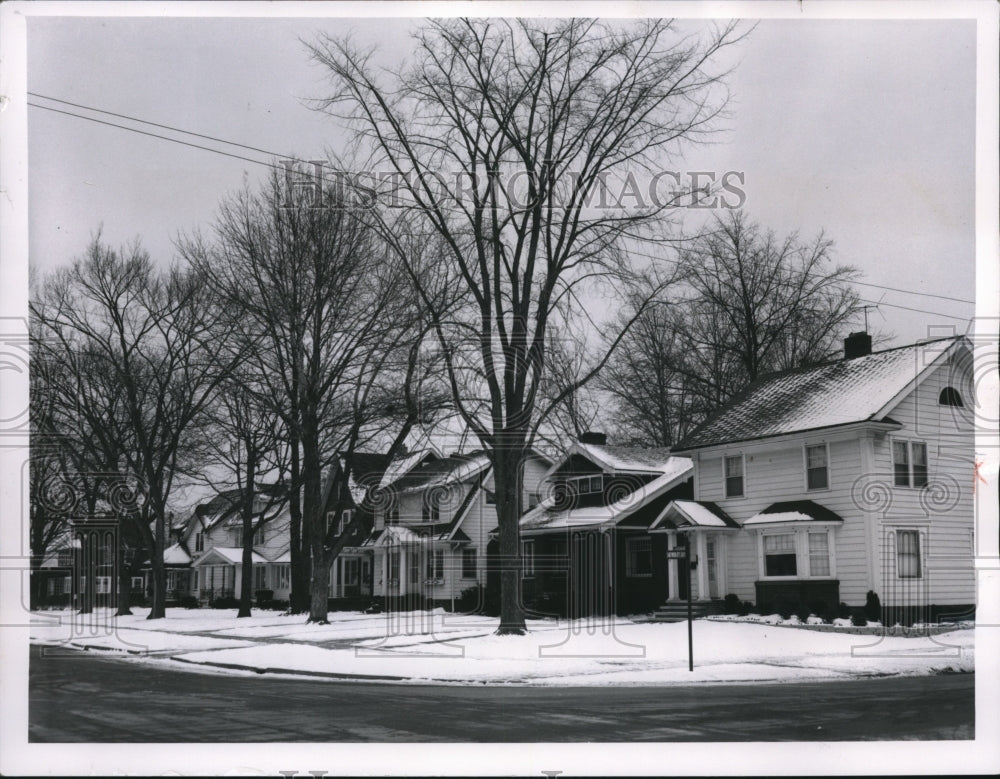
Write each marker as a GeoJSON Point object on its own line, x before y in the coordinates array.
{"type": "Point", "coordinates": [436, 647]}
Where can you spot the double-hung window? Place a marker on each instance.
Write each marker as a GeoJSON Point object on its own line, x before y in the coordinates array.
{"type": "Point", "coordinates": [817, 467]}
{"type": "Point", "coordinates": [639, 557]}
{"type": "Point", "coordinates": [435, 564]}
{"type": "Point", "coordinates": [469, 563]}
{"type": "Point", "coordinates": [780, 555]}
{"type": "Point", "coordinates": [528, 557]}
{"type": "Point", "coordinates": [734, 476]}
{"type": "Point", "coordinates": [909, 463]}
{"type": "Point", "coordinates": [908, 554]}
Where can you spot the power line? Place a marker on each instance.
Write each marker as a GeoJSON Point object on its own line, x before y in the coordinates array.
{"type": "Point", "coordinates": [153, 124]}
{"type": "Point", "coordinates": [914, 292]}
{"type": "Point", "coordinates": [918, 310]}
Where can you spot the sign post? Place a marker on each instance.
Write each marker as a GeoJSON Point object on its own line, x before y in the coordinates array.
{"type": "Point", "coordinates": [685, 555]}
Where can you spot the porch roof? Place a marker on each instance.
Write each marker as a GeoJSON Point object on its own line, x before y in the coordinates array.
{"type": "Point", "coordinates": [176, 555]}
{"type": "Point", "coordinates": [695, 513]}
{"type": "Point", "coordinates": [229, 554]}
{"type": "Point", "coordinates": [793, 511]}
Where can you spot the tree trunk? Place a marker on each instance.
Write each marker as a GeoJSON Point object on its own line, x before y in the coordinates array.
{"type": "Point", "coordinates": [506, 470]}
{"type": "Point", "coordinates": [158, 610]}
{"type": "Point", "coordinates": [314, 526]}
{"type": "Point", "coordinates": [298, 598]}
{"type": "Point", "coordinates": [124, 580]}
{"type": "Point", "coordinates": [246, 566]}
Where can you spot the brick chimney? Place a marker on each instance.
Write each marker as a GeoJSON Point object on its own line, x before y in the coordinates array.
{"type": "Point", "coordinates": [593, 437]}
{"type": "Point", "coordinates": [857, 345]}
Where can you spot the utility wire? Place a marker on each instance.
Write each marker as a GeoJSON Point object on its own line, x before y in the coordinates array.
{"type": "Point", "coordinates": [285, 156]}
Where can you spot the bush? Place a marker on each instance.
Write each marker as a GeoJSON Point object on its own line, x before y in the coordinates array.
{"type": "Point", "coordinates": [731, 604]}
{"type": "Point", "coordinates": [227, 602]}
{"type": "Point", "coordinates": [783, 607]}
{"type": "Point", "coordinates": [843, 611]}
{"type": "Point", "coordinates": [873, 608]}
{"type": "Point", "coordinates": [471, 600]}
{"type": "Point", "coordinates": [188, 602]}
{"type": "Point", "coordinates": [858, 620]}
{"type": "Point", "coordinates": [803, 612]}
{"type": "Point", "coordinates": [262, 597]}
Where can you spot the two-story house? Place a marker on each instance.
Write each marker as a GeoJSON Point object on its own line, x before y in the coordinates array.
{"type": "Point", "coordinates": [433, 523]}
{"type": "Point", "coordinates": [586, 548]}
{"type": "Point", "coordinates": [821, 484]}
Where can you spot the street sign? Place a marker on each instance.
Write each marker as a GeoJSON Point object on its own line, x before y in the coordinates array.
{"type": "Point", "coordinates": [677, 554]}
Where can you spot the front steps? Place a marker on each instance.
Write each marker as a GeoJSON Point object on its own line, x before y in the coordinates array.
{"type": "Point", "coordinates": [677, 611]}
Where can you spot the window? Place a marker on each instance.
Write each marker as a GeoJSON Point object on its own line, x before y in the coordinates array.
{"type": "Point", "coordinates": [431, 508]}
{"type": "Point", "coordinates": [137, 584]}
{"type": "Point", "coordinates": [238, 538]}
{"type": "Point", "coordinates": [586, 485]}
{"type": "Point", "coordinates": [639, 557]}
{"type": "Point", "coordinates": [469, 563]}
{"type": "Point", "coordinates": [908, 554]}
{"type": "Point", "coordinates": [260, 535]}
{"type": "Point", "coordinates": [413, 566]}
{"type": "Point", "coordinates": [819, 554]}
{"type": "Point", "coordinates": [258, 577]}
{"type": "Point", "coordinates": [394, 566]}
{"type": "Point", "coordinates": [734, 476]}
{"type": "Point", "coordinates": [533, 500]}
{"type": "Point", "coordinates": [528, 557]}
{"type": "Point", "coordinates": [909, 463]}
{"type": "Point", "coordinates": [199, 542]}
{"type": "Point", "coordinates": [103, 585]}
{"type": "Point", "coordinates": [282, 577]}
{"type": "Point", "coordinates": [779, 555]}
{"type": "Point", "coordinates": [949, 397]}
{"type": "Point", "coordinates": [491, 498]}
{"type": "Point", "coordinates": [435, 564]}
{"type": "Point", "coordinates": [817, 468]}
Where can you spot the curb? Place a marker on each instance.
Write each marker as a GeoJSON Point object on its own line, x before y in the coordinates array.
{"type": "Point", "coordinates": [287, 671]}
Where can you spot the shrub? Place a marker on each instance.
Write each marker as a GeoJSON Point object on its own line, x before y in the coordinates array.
{"type": "Point", "coordinates": [783, 607]}
{"type": "Point", "coordinates": [803, 612]}
{"type": "Point", "coordinates": [262, 597]}
{"type": "Point", "coordinates": [471, 600]}
{"type": "Point", "coordinates": [873, 608]}
{"type": "Point", "coordinates": [746, 607]}
{"type": "Point", "coordinates": [188, 602]}
{"type": "Point", "coordinates": [858, 620]}
{"type": "Point", "coordinates": [731, 604]}
{"type": "Point", "coordinates": [843, 611]}
{"type": "Point", "coordinates": [227, 602]}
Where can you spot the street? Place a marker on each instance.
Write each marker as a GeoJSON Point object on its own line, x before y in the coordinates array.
{"type": "Point", "coordinates": [85, 697]}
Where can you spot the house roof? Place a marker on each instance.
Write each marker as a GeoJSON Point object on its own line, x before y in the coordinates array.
{"type": "Point", "coordinates": [863, 389]}
{"type": "Point", "coordinates": [230, 554]}
{"type": "Point", "coordinates": [624, 458]}
{"type": "Point", "coordinates": [793, 511]}
{"type": "Point", "coordinates": [695, 513]}
{"type": "Point", "coordinates": [176, 555]}
{"type": "Point", "coordinates": [446, 470]}
{"type": "Point", "coordinates": [544, 517]}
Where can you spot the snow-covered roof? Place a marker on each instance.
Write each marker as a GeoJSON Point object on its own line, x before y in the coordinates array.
{"type": "Point", "coordinates": [284, 557]}
{"type": "Point", "coordinates": [175, 555]}
{"type": "Point", "coordinates": [861, 389]}
{"type": "Point", "coordinates": [446, 470]}
{"type": "Point", "coordinates": [696, 513]}
{"type": "Point", "coordinates": [793, 511]}
{"type": "Point", "coordinates": [232, 554]}
{"type": "Point", "coordinates": [675, 470]}
{"type": "Point", "coordinates": [625, 458]}
{"type": "Point", "coordinates": [400, 466]}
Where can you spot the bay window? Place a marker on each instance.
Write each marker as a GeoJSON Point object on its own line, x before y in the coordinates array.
{"type": "Point", "coordinates": [800, 553]}
{"type": "Point", "coordinates": [779, 555]}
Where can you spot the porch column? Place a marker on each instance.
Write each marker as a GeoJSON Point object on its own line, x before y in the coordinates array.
{"type": "Point", "coordinates": [672, 586]}
{"type": "Point", "coordinates": [702, 551]}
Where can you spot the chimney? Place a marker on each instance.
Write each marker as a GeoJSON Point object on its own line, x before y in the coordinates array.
{"type": "Point", "coordinates": [593, 437]}
{"type": "Point", "coordinates": [857, 345]}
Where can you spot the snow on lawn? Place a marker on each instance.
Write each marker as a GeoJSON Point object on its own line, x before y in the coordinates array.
{"type": "Point", "coordinates": [626, 654]}
{"type": "Point", "coordinates": [440, 646]}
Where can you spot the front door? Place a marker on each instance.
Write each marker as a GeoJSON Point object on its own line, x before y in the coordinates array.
{"type": "Point", "coordinates": [712, 566]}
{"type": "Point", "coordinates": [683, 575]}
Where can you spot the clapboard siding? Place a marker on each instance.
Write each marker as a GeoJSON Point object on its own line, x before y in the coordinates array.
{"type": "Point", "coordinates": [945, 508]}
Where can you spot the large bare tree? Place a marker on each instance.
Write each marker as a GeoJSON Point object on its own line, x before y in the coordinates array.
{"type": "Point", "coordinates": [154, 334]}
{"type": "Point", "coordinates": [329, 310]}
{"type": "Point", "coordinates": [511, 148]}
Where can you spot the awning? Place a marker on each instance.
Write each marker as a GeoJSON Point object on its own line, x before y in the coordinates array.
{"type": "Point", "coordinates": [681, 514]}
{"type": "Point", "coordinates": [792, 511]}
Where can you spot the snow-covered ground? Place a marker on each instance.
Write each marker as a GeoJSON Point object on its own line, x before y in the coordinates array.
{"type": "Point", "coordinates": [462, 648]}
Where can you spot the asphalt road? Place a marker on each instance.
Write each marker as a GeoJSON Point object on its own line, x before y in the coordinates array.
{"type": "Point", "coordinates": [85, 697]}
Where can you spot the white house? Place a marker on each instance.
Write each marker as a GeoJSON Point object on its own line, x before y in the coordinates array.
{"type": "Point", "coordinates": [821, 484]}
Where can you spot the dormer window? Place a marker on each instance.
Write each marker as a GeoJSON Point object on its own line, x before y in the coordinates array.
{"type": "Point", "coordinates": [585, 485]}
{"type": "Point", "coordinates": [949, 397]}
{"type": "Point", "coordinates": [734, 476]}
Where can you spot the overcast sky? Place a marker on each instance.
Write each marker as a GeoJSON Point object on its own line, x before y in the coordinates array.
{"type": "Point", "coordinates": [864, 129]}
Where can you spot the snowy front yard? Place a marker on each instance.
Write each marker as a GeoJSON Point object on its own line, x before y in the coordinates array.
{"type": "Point", "coordinates": [437, 646]}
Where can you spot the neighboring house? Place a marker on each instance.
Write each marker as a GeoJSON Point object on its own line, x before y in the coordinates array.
{"type": "Point", "coordinates": [586, 548]}
{"type": "Point", "coordinates": [821, 484]}
{"type": "Point", "coordinates": [433, 524]}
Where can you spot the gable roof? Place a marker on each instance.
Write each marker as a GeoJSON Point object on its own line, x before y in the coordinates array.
{"type": "Point", "coordinates": [446, 470]}
{"type": "Point", "coordinates": [694, 513]}
{"type": "Point", "coordinates": [625, 458]}
{"type": "Point", "coordinates": [543, 517]}
{"type": "Point", "coordinates": [793, 511]}
{"type": "Point", "coordinates": [863, 389]}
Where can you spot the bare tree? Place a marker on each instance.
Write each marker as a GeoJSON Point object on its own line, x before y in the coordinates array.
{"type": "Point", "coordinates": [756, 304]}
{"type": "Point", "coordinates": [329, 311]}
{"type": "Point", "coordinates": [503, 142]}
{"type": "Point", "coordinates": [153, 334]}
